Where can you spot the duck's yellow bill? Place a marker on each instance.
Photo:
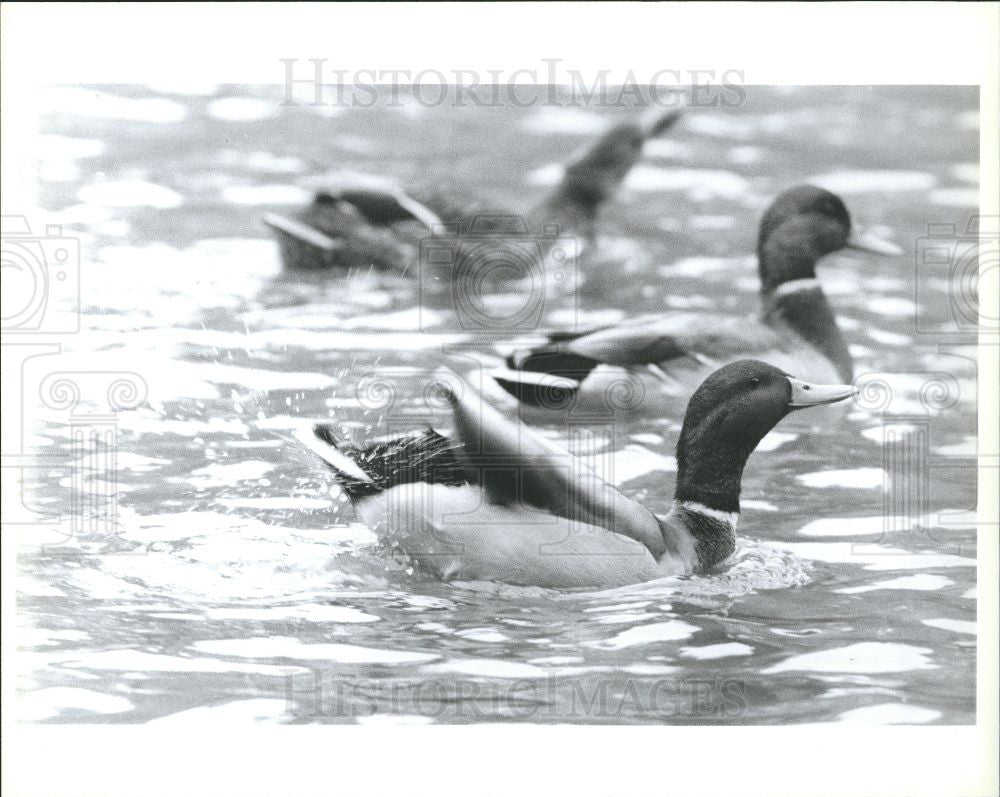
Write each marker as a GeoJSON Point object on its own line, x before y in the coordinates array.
{"type": "Point", "coordinates": [805, 394]}
{"type": "Point", "coordinates": [869, 242]}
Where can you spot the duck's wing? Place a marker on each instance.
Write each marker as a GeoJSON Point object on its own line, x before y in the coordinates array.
{"type": "Point", "coordinates": [389, 207]}
{"type": "Point", "coordinates": [663, 339]}
{"type": "Point", "coordinates": [594, 173]}
{"type": "Point", "coordinates": [380, 200]}
{"type": "Point", "coordinates": [555, 355]}
{"type": "Point", "coordinates": [517, 466]}
{"type": "Point", "coordinates": [657, 122]}
{"type": "Point", "coordinates": [333, 233]}
{"type": "Point", "coordinates": [658, 340]}
{"type": "Point", "coordinates": [462, 210]}
{"type": "Point", "coordinates": [656, 343]}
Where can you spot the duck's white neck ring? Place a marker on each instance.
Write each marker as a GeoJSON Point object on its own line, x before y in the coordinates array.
{"type": "Point", "coordinates": [795, 286]}
{"type": "Point", "coordinates": [729, 518]}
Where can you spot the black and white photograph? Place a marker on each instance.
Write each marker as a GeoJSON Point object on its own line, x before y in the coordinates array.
{"type": "Point", "coordinates": [344, 392]}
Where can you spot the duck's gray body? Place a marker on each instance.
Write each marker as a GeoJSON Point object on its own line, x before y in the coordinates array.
{"type": "Point", "coordinates": [669, 354]}
{"type": "Point", "coordinates": [496, 501]}
{"type": "Point", "coordinates": [381, 226]}
{"type": "Point", "coordinates": [457, 534]}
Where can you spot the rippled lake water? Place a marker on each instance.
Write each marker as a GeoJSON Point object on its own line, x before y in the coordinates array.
{"type": "Point", "coordinates": [213, 573]}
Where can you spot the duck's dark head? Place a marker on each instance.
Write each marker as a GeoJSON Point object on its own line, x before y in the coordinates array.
{"type": "Point", "coordinates": [727, 417]}
{"type": "Point", "coordinates": [803, 225]}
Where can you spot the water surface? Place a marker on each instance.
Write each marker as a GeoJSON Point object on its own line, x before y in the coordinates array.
{"type": "Point", "coordinates": [231, 583]}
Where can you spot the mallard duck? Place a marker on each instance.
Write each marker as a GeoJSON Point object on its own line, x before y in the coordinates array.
{"type": "Point", "coordinates": [495, 501]}
{"type": "Point", "coordinates": [372, 222]}
{"type": "Point", "coordinates": [795, 329]}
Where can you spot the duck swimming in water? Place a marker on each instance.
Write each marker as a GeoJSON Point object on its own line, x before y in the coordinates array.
{"type": "Point", "coordinates": [374, 223]}
{"type": "Point", "coordinates": [495, 501]}
{"type": "Point", "coordinates": [795, 330]}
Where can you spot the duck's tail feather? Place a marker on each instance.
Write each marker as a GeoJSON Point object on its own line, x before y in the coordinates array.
{"type": "Point", "coordinates": [424, 456]}
{"type": "Point", "coordinates": [341, 458]}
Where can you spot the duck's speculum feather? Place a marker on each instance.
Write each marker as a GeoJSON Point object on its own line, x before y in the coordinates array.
{"type": "Point", "coordinates": [555, 359]}
{"type": "Point", "coordinates": [560, 394]}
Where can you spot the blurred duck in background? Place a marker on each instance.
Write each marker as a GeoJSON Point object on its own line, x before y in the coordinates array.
{"type": "Point", "coordinates": [369, 222]}
{"type": "Point", "coordinates": [795, 329]}
{"type": "Point", "coordinates": [495, 501]}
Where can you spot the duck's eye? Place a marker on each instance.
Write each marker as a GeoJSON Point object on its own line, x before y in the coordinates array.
{"type": "Point", "coordinates": [754, 381]}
